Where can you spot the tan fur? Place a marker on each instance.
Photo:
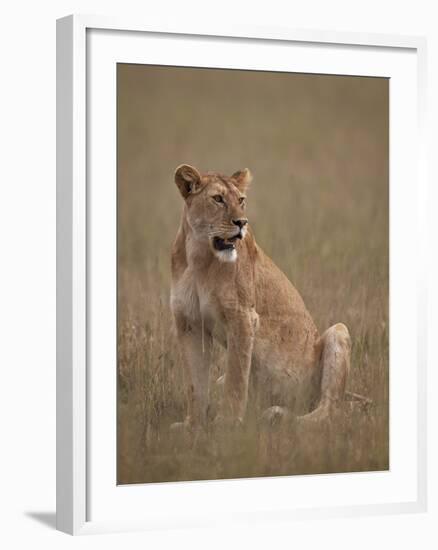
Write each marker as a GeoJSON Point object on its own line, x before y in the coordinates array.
{"type": "Point", "coordinates": [243, 299]}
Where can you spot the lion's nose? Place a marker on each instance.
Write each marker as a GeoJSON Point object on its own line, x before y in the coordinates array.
{"type": "Point", "coordinates": [240, 222]}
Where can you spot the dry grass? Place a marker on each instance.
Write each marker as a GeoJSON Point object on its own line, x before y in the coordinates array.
{"type": "Point", "coordinates": [318, 148]}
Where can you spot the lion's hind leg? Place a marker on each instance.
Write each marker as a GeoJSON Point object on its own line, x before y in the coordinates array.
{"type": "Point", "coordinates": [335, 366]}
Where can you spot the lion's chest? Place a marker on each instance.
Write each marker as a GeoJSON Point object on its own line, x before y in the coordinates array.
{"type": "Point", "coordinates": [195, 301]}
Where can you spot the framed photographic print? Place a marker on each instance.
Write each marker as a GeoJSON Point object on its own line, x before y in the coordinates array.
{"type": "Point", "coordinates": [241, 275]}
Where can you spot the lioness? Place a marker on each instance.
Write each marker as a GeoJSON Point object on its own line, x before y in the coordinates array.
{"type": "Point", "coordinates": [224, 286]}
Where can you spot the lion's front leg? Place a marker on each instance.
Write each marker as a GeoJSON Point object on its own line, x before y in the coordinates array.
{"type": "Point", "coordinates": [195, 345]}
{"type": "Point", "coordinates": [240, 340]}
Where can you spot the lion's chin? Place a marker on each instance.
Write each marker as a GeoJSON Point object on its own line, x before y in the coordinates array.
{"type": "Point", "coordinates": [224, 248]}
{"type": "Point", "coordinates": [227, 255]}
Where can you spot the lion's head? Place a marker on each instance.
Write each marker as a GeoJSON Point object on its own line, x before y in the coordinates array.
{"type": "Point", "coordinates": [215, 207]}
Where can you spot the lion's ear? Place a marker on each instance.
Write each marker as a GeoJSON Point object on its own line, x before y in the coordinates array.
{"type": "Point", "coordinates": [188, 180]}
{"type": "Point", "coordinates": [242, 179]}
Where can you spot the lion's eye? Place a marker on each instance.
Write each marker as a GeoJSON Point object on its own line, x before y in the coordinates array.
{"type": "Point", "coordinates": [218, 198]}
{"type": "Point", "coordinates": [241, 200]}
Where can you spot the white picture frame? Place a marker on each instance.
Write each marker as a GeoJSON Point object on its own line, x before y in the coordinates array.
{"type": "Point", "coordinates": [74, 284]}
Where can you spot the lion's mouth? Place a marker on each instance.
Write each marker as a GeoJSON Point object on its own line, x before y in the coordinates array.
{"type": "Point", "coordinates": [226, 244]}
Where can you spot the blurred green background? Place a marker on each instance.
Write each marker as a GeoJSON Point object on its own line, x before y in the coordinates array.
{"type": "Point", "coordinates": [318, 147]}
